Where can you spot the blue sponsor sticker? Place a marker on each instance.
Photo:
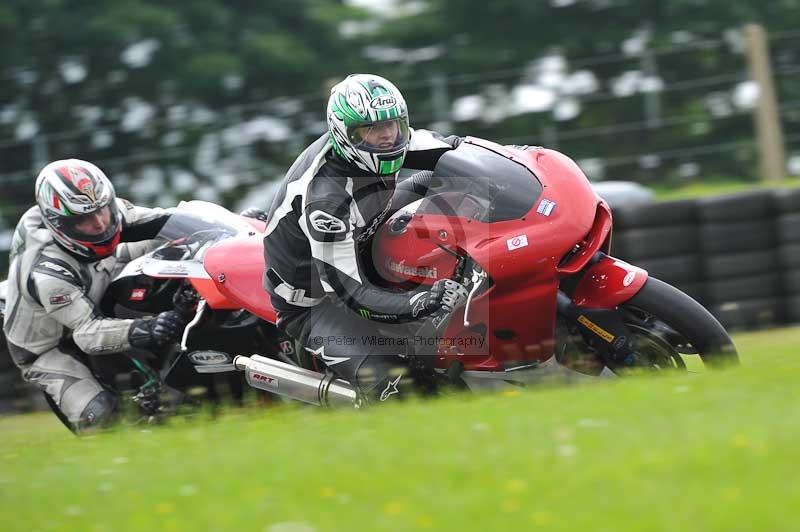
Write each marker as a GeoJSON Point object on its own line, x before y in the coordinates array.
{"type": "Point", "coordinates": [546, 207]}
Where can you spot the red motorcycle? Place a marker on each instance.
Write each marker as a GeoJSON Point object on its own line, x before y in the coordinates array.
{"type": "Point", "coordinates": [525, 232]}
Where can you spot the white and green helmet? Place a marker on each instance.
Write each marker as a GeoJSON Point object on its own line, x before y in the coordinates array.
{"type": "Point", "coordinates": [368, 123]}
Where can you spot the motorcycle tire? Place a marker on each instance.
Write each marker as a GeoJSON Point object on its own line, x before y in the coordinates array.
{"type": "Point", "coordinates": [695, 290]}
{"type": "Point", "coordinates": [688, 318]}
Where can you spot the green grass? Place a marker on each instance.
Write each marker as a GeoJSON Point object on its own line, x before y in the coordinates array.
{"type": "Point", "coordinates": [714, 451]}
{"type": "Point", "coordinates": [715, 187]}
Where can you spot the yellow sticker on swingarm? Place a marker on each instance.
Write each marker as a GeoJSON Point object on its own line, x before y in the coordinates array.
{"type": "Point", "coordinates": [595, 328]}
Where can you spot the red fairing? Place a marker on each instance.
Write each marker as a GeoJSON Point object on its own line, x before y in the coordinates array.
{"type": "Point", "coordinates": [207, 289]}
{"type": "Point", "coordinates": [515, 318]}
{"type": "Point", "coordinates": [608, 283]}
{"type": "Point", "coordinates": [236, 267]}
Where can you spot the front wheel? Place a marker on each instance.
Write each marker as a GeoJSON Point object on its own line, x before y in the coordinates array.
{"type": "Point", "coordinates": [665, 323]}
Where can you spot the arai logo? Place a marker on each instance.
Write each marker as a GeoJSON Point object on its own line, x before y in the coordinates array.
{"type": "Point", "coordinates": [209, 357]}
{"type": "Point", "coordinates": [382, 102]}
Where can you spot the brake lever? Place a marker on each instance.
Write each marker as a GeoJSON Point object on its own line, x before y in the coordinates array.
{"type": "Point", "coordinates": [478, 276]}
{"type": "Point", "coordinates": [201, 307]}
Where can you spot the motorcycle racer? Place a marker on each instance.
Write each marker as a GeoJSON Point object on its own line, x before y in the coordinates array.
{"type": "Point", "coordinates": [331, 202]}
{"type": "Point", "coordinates": [64, 253]}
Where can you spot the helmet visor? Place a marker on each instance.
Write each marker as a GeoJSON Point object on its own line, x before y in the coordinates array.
{"type": "Point", "coordinates": [386, 136]}
{"type": "Point", "coordinates": [92, 228]}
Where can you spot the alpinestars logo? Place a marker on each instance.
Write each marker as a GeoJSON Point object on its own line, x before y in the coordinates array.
{"type": "Point", "coordinates": [326, 223]}
{"type": "Point", "coordinates": [391, 388]}
{"type": "Point", "coordinates": [418, 301]}
{"type": "Point", "coordinates": [329, 360]}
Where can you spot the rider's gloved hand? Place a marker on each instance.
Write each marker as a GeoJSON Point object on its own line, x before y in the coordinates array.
{"type": "Point", "coordinates": [445, 295]}
{"type": "Point", "coordinates": [185, 302]}
{"type": "Point", "coordinates": [158, 332]}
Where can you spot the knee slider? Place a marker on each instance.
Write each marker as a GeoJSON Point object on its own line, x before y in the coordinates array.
{"type": "Point", "coordinates": [101, 409]}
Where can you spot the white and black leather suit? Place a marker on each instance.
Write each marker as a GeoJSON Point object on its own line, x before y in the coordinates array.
{"type": "Point", "coordinates": [52, 312]}
{"type": "Point", "coordinates": [319, 226]}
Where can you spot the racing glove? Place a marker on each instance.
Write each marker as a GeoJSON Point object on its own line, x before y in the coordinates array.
{"type": "Point", "coordinates": [155, 333]}
{"type": "Point", "coordinates": [445, 295]}
{"type": "Point", "coordinates": [185, 302]}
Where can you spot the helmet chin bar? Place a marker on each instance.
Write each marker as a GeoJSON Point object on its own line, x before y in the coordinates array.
{"type": "Point", "coordinates": [87, 250]}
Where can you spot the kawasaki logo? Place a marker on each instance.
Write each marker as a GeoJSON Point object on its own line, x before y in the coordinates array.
{"type": "Point", "coordinates": [422, 271]}
{"type": "Point", "coordinates": [383, 102]}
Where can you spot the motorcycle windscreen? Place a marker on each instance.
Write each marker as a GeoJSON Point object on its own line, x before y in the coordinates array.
{"type": "Point", "coordinates": [499, 188]}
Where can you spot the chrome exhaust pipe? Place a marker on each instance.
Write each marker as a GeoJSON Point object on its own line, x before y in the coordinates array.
{"type": "Point", "coordinates": [296, 383]}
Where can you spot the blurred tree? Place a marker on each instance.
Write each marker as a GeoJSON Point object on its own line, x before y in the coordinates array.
{"type": "Point", "coordinates": [564, 72]}
{"type": "Point", "coordinates": [206, 98]}
{"type": "Point", "coordinates": [171, 99]}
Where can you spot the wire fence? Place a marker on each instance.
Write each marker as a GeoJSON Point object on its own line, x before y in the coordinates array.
{"type": "Point", "coordinates": [221, 120]}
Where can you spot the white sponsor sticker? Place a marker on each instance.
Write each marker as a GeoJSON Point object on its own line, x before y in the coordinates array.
{"type": "Point", "coordinates": [326, 223]}
{"type": "Point", "coordinates": [209, 357]}
{"type": "Point", "coordinates": [517, 242]}
{"type": "Point", "coordinates": [628, 279]}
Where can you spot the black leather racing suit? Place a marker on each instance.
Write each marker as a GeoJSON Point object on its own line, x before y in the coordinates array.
{"type": "Point", "coordinates": [320, 224]}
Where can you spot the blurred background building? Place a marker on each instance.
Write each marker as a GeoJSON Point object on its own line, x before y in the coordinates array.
{"type": "Point", "coordinates": [213, 99]}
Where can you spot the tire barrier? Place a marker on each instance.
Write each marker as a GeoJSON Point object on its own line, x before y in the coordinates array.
{"type": "Point", "coordinates": [737, 254]}
{"type": "Point", "coordinates": [656, 242]}
{"type": "Point", "coordinates": [788, 228]}
{"type": "Point", "coordinates": [664, 213]}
